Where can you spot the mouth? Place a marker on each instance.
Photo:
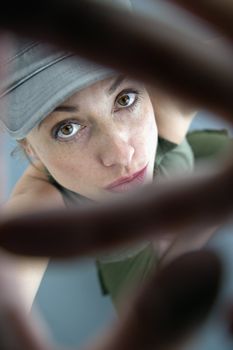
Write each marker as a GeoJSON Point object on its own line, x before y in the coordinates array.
{"type": "Point", "coordinates": [127, 183]}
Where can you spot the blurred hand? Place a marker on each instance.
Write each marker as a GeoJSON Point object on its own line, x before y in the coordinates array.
{"type": "Point", "coordinates": [163, 315]}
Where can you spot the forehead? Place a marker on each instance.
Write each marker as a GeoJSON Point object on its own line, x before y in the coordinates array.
{"type": "Point", "coordinates": [77, 102]}
{"type": "Point", "coordinates": [107, 86]}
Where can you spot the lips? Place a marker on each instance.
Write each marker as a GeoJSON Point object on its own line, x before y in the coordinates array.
{"type": "Point", "coordinates": [126, 183]}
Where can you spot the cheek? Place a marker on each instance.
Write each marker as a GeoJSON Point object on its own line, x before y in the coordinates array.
{"type": "Point", "coordinates": [61, 161]}
{"type": "Point", "coordinates": [64, 167]}
{"type": "Point", "coordinates": [73, 169]}
{"type": "Point", "coordinates": [146, 133]}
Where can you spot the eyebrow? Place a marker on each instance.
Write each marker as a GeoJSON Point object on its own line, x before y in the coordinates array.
{"type": "Point", "coordinates": [116, 84]}
{"type": "Point", "coordinates": [70, 109]}
{"type": "Point", "coordinates": [110, 91]}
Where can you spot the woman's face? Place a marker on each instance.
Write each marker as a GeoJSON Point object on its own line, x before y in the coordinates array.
{"type": "Point", "coordinates": [101, 141]}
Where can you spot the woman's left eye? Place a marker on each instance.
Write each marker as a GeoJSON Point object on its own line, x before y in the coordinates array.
{"type": "Point", "coordinates": [126, 99]}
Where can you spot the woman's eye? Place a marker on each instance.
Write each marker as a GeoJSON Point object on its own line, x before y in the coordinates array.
{"type": "Point", "coordinates": [67, 130]}
{"type": "Point", "coordinates": [126, 99]}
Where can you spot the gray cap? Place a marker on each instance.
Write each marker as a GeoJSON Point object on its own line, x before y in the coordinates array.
{"type": "Point", "coordinates": [39, 78]}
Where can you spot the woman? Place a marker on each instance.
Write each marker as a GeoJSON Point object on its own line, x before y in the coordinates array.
{"type": "Point", "coordinates": [92, 135]}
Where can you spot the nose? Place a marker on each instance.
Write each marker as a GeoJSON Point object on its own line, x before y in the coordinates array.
{"type": "Point", "coordinates": [115, 150]}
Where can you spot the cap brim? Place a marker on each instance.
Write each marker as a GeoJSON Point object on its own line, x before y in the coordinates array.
{"type": "Point", "coordinates": [30, 102]}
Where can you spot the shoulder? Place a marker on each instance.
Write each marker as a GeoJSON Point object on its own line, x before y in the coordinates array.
{"type": "Point", "coordinates": [33, 191]}
{"type": "Point", "coordinates": [34, 179]}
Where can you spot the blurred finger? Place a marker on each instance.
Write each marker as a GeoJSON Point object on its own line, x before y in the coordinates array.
{"type": "Point", "coordinates": [218, 13]}
{"type": "Point", "coordinates": [171, 307]}
{"type": "Point", "coordinates": [62, 233]}
{"type": "Point", "coordinates": [17, 331]}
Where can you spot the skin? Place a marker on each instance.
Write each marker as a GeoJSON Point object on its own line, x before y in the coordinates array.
{"type": "Point", "coordinates": [113, 134]}
{"type": "Point", "coordinates": [173, 116]}
{"type": "Point", "coordinates": [33, 191]}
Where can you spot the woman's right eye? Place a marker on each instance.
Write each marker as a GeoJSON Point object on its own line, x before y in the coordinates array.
{"type": "Point", "coordinates": [67, 131]}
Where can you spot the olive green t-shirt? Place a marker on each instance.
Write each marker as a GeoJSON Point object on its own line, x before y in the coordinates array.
{"type": "Point", "coordinates": [123, 271]}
